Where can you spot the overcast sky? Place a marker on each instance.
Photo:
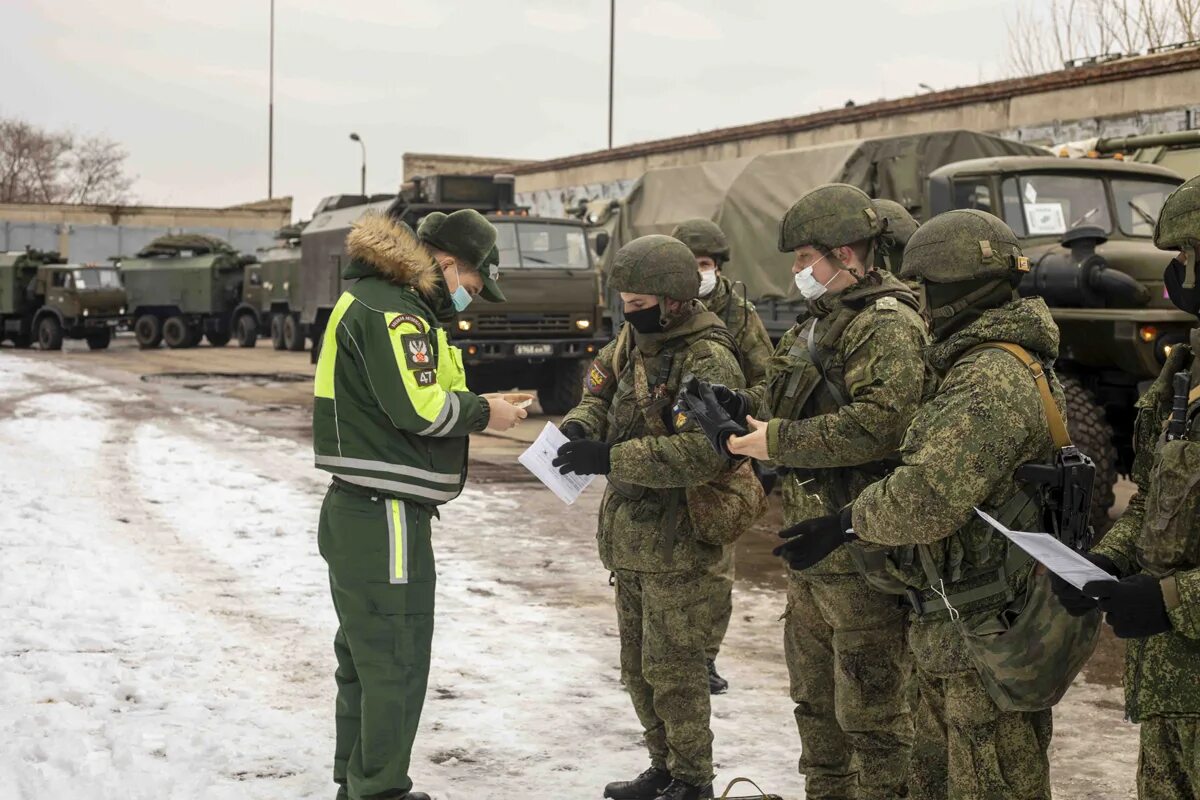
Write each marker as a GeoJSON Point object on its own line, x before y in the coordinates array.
{"type": "Point", "coordinates": [182, 84]}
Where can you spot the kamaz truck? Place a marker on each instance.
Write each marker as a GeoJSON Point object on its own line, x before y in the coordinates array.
{"type": "Point", "coordinates": [553, 322]}
{"type": "Point", "coordinates": [271, 296]}
{"type": "Point", "coordinates": [44, 298]}
{"type": "Point", "coordinates": [184, 287]}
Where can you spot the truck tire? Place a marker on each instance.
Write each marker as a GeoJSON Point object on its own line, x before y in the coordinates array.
{"type": "Point", "coordinates": [99, 340]}
{"type": "Point", "coordinates": [147, 329]}
{"type": "Point", "coordinates": [177, 333]}
{"type": "Point", "coordinates": [293, 333]}
{"type": "Point", "coordinates": [562, 387]}
{"type": "Point", "coordinates": [50, 333]}
{"type": "Point", "coordinates": [1093, 435]}
{"type": "Point", "coordinates": [277, 332]}
{"type": "Point", "coordinates": [218, 337]}
{"type": "Point", "coordinates": [247, 330]}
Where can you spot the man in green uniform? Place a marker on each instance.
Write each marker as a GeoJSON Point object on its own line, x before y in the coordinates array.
{"type": "Point", "coordinates": [840, 391]}
{"type": "Point", "coordinates": [710, 248]}
{"type": "Point", "coordinates": [1154, 549]}
{"type": "Point", "coordinates": [391, 418]}
{"type": "Point", "coordinates": [962, 450]}
{"type": "Point", "coordinates": [658, 544]}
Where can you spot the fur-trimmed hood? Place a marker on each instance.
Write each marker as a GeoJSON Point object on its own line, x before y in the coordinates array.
{"type": "Point", "coordinates": [380, 245]}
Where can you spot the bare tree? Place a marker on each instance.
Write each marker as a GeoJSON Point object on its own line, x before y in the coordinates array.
{"type": "Point", "coordinates": [39, 166]}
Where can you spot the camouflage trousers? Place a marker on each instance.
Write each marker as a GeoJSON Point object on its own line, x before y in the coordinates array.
{"type": "Point", "coordinates": [663, 619]}
{"type": "Point", "coordinates": [850, 680]}
{"type": "Point", "coordinates": [1169, 761]}
{"type": "Point", "coordinates": [721, 602]}
{"type": "Point", "coordinates": [966, 747]}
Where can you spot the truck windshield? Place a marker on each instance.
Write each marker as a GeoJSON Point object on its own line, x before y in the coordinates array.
{"type": "Point", "coordinates": [539, 245]}
{"type": "Point", "coordinates": [1138, 204]}
{"type": "Point", "coordinates": [96, 279]}
{"type": "Point", "coordinates": [1052, 204]}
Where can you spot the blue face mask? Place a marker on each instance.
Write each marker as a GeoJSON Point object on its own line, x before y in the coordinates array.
{"type": "Point", "coordinates": [460, 296]}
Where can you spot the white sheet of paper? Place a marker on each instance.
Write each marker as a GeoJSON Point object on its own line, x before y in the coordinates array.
{"type": "Point", "coordinates": [1056, 556]}
{"type": "Point", "coordinates": [538, 460]}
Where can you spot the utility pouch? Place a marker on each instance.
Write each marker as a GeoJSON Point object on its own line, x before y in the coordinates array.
{"type": "Point", "coordinates": [1171, 533]}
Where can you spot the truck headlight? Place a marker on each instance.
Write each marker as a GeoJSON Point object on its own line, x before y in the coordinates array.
{"type": "Point", "coordinates": [583, 324]}
{"type": "Point", "coordinates": [464, 325]}
{"type": "Point", "coordinates": [86, 312]}
{"type": "Point", "coordinates": [122, 312]}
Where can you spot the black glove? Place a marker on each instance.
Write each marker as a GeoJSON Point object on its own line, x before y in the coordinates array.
{"type": "Point", "coordinates": [1074, 601]}
{"type": "Point", "coordinates": [809, 542]}
{"type": "Point", "coordinates": [736, 405]}
{"type": "Point", "coordinates": [700, 405]}
{"type": "Point", "coordinates": [584, 457]}
{"type": "Point", "coordinates": [573, 430]}
{"type": "Point", "coordinates": [1134, 606]}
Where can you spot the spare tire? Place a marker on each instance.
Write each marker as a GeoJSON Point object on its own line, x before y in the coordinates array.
{"type": "Point", "coordinates": [1093, 435]}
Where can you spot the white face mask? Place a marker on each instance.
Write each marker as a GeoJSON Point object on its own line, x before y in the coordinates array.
{"type": "Point", "coordinates": [708, 282]}
{"type": "Point", "coordinates": [809, 286]}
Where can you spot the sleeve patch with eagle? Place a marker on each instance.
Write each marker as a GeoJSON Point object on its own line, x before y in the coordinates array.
{"type": "Point", "coordinates": [418, 355]}
{"type": "Point", "coordinates": [596, 379]}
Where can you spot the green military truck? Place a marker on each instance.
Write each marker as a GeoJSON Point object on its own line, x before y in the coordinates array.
{"type": "Point", "coordinates": [1178, 151]}
{"type": "Point", "coordinates": [184, 287]}
{"type": "Point", "coordinates": [553, 322]}
{"type": "Point", "coordinates": [45, 298]}
{"type": "Point", "coordinates": [1085, 223]}
{"type": "Point", "coordinates": [271, 296]}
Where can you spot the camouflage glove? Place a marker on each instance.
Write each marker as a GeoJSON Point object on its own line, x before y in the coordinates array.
{"type": "Point", "coordinates": [584, 457]}
{"type": "Point", "coordinates": [811, 541]}
{"type": "Point", "coordinates": [698, 404]}
{"type": "Point", "coordinates": [1134, 606]}
{"type": "Point", "coordinates": [1074, 601]}
{"type": "Point", "coordinates": [573, 430]}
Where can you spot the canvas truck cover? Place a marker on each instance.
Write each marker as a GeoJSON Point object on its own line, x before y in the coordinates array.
{"type": "Point", "coordinates": [748, 196]}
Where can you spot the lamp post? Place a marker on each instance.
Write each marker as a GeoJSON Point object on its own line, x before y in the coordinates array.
{"type": "Point", "coordinates": [271, 111]}
{"type": "Point", "coordinates": [612, 40]}
{"type": "Point", "coordinates": [354, 137]}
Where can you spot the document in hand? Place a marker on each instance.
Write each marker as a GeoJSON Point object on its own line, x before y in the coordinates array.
{"type": "Point", "coordinates": [1056, 556]}
{"type": "Point", "coordinates": [537, 459]}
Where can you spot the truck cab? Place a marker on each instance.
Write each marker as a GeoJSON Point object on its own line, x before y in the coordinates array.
{"type": "Point", "coordinates": [45, 298]}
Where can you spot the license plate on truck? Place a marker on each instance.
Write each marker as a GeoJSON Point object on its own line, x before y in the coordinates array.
{"type": "Point", "coordinates": [533, 350]}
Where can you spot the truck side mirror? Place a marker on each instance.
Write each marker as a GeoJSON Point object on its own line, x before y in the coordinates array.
{"type": "Point", "coordinates": [601, 242]}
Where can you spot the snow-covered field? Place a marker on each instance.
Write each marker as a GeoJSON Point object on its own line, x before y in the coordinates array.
{"type": "Point", "coordinates": [166, 628]}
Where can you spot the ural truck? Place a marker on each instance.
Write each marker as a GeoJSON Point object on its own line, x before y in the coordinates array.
{"type": "Point", "coordinates": [270, 296]}
{"type": "Point", "coordinates": [1085, 223]}
{"type": "Point", "coordinates": [184, 287]}
{"type": "Point", "coordinates": [553, 321]}
{"type": "Point", "coordinates": [42, 296]}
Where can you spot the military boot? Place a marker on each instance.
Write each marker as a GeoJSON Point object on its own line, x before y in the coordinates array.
{"type": "Point", "coordinates": [646, 786]}
{"type": "Point", "coordinates": [716, 684]}
{"type": "Point", "coordinates": [678, 790]}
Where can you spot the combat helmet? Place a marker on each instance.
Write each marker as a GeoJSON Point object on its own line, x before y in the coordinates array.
{"type": "Point", "coordinates": [703, 238]}
{"type": "Point", "coordinates": [658, 265]}
{"type": "Point", "coordinates": [1178, 228]}
{"type": "Point", "coordinates": [963, 245]}
{"type": "Point", "coordinates": [898, 228]}
{"type": "Point", "coordinates": [831, 215]}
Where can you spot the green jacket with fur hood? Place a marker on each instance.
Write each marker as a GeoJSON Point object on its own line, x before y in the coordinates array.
{"type": "Point", "coordinates": [391, 411]}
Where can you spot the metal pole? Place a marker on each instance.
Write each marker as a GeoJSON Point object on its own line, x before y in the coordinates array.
{"type": "Point", "coordinates": [354, 137]}
{"type": "Point", "coordinates": [612, 38]}
{"type": "Point", "coordinates": [271, 113]}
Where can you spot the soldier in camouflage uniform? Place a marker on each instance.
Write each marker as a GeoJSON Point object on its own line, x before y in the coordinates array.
{"type": "Point", "coordinates": [840, 391]}
{"type": "Point", "coordinates": [711, 250]}
{"type": "Point", "coordinates": [899, 226]}
{"type": "Point", "coordinates": [962, 451]}
{"type": "Point", "coordinates": [1154, 548]}
{"type": "Point", "coordinates": [648, 536]}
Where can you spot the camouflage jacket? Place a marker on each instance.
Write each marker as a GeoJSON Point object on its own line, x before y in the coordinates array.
{"type": "Point", "coordinates": [1159, 534]}
{"type": "Point", "coordinates": [838, 409]}
{"type": "Point", "coordinates": [628, 393]}
{"type": "Point", "coordinates": [742, 320]}
{"type": "Point", "coordinates": [961, 451]}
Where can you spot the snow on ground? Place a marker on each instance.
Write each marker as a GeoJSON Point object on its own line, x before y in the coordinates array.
{"type": "Point", "coordinates": [167, 627]}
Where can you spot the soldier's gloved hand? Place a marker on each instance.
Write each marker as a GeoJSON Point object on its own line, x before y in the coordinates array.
{"type": "Point", "coordinates": [1074, 601]}
{"type": "Point", "coordinates": [698, 403]}
{"type": "Point", "coordinates": [811, 541]}
{"type": "Point", "coordinates": [1134, 606]}
{"type": "Point", "coordinates": [573, 430]}
{"type": "Point", "coordinates": [584, 457]}
{"type": "Point", "coordinates": [736, 404]}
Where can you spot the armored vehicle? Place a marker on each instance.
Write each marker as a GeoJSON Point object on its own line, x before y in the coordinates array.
{"type": "Point", "coordinates": [43, 297]}
{"type": "Point", "coordinates": [183, 287]}
{"type": "Point", "coordinates": [553, 321]}
{"type": "Point", "coordinates": [270, 296]}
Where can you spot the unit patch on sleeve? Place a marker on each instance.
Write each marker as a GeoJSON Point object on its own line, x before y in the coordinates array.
{"type": "Point", "coordinates": [596, 379]}
{"type": "Point", "coordinates": [417, 353]}
{"type": "Point", "coordinates": [411, 319]}
{"type": "Point", "coordinates": [887, 304]}
{"type": "Point", "coordinates": [426, 377]}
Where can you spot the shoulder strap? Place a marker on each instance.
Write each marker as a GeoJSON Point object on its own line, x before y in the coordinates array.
{"type": "Point", "coordinates": [1058, 426]}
